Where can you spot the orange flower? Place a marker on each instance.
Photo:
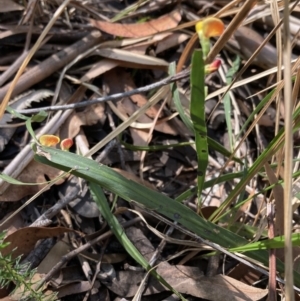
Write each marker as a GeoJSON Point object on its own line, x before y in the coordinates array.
{"type": "Point", "coordinates": [214, 66]}
{"type": "Point", "coordinates": [207, 28]}
{"type": "Point", "coordinates": [210, 27]}
{"type": "Point", "coordinates": [66, 144]}
{"type": "Point", "coordinates": [49, 140]}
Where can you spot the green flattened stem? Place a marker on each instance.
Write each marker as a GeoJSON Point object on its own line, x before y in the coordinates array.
{"type": "Point", "coordinates": [128, 190]}
{"type": "Point", "coordinates": [197, 110]}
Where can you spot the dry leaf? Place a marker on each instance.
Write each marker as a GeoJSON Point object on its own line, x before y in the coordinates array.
{"type": "Point", "coordinates": [34, 173]}
{"type": "Point", "coordinates": [59, 250]}
{"type": "Point", "coordinates": [118, 80]}
{"type": "Point", "coordinates": [184, 279]}
{"type": "Point", "coordinates": [133, 59]}
{"type": "Point", "coordinates": [143, 46]}
{"type": "Point", "coordinates": [187, 280]}
{"type": "Point", "coordinates": [91, 115]}
{"type": "Point", "coordinates": [171, 41]}
{"type": "Point", "coordinates": [15, 223]}
{"type": "Point", "coordinates": [9, 5]}
{"type": "Point", "coordinates": [245, 274]}
{"type": "Point", "coordinates": [74, 288]}
{"type": "Point", "coordinates": [99, 68]}
{"type": "Point", "coordinates": [23, 240]}
{"type": "Point", "coordinates": [136, 30]}
{"type": "Point", "coordinates": [139, 136]}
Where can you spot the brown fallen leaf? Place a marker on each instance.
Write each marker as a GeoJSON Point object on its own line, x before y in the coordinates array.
{"type": "Point", "coordinates": [132, 59]}
{"type": "Point", "coordinates": [170, 41]}
{"type": "Point", "coordinates": [9, 5]}
{"type": "Point", "coordinates": [245, 274]}
{"type": "Point", "coordinates": [15, 223]}
{"type": "Point", "coordinates": [74, 288]}
{"type": "Point", "coordinates": [187, 280]}
{"type": "Point", "coordinates": [34, 173]}
{"type": "Point", "coordinates": [22, 241]}
{"type": "Point", "coordinates": [118, 80]}
{"type": "Point", "coordinates": [136, 30]}
{"type": "Point", "coordinates": [99, 68]}
{"type": "Point", "coordinates": [60, 249]}
{"type": "Point", "coordinates": [139, 137]}
{"type": "Point", "coordinates": [184, 279]}
{"type": "Point", "coordinates": [90, 116]}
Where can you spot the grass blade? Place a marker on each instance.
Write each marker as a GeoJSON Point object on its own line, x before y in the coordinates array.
{"type": "Point", "coordinates": [198, 117]}
{"type": "Point", "coordinates": [152, 200]}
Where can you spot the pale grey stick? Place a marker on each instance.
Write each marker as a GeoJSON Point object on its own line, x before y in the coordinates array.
{"type": "Point", "coordinates": [116, 96]}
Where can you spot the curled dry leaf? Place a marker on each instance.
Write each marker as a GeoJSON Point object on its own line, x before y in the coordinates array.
{"type": "Point", "coordinates": [136, 30]}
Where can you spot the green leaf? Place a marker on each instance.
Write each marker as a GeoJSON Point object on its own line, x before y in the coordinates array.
{"type": "Point", "coordinates": [274, 243]}
{"type": "Point", "coordinates": [36, 118]}
{"type": "Point", "coordinates": [153, 148]}
{"type": "Point", "coordinates": [188, 123]}
{"type": "Point", "coordinates": [152, 200]}
{"type": "Point", "coordinates": [13, 181]}
{"type": "Point", "coordinates": [198, 117]}
{"type": "Point", "coordinates": [15, 113]}
{"type": "Point", "coordinates": [227, 101]}
{"type": "Point", "coordinates": [177, 101]}
{"type": "Point", "coordinates": [39, 117]}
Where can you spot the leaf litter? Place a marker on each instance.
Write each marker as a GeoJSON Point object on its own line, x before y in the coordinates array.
{"type": "Point", "coordinates": [100, 58]}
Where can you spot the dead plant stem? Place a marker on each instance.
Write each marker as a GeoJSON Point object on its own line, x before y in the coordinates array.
{"type": "Point", "coordinates": [288, 156]}
{"type": "Point", "coordinates": [161, 83]}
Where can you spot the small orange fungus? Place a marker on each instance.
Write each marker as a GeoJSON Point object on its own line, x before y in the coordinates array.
{"type": "Point", "coordinates": [66, 144]}
{"type": "Point", "coordinates": [210, 27]}
{"type": "Point", "coordinates": [49, 140]}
